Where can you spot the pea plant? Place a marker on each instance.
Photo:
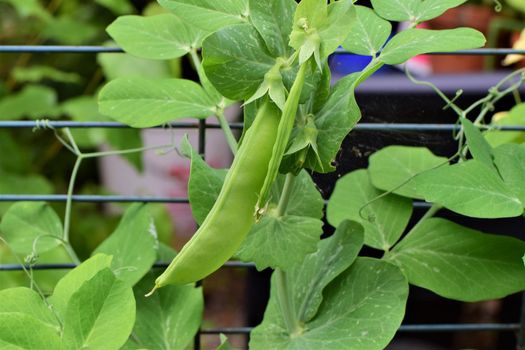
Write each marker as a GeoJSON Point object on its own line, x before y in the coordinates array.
{"type": "Point", "coordinates": [272, 56]}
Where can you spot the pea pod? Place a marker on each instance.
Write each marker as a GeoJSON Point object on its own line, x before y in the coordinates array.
{"type": "Point", "coordinates": [232, 215]}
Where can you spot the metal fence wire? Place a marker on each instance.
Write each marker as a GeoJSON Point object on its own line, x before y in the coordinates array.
{"type": "Point", "coordinates": [518, 328]}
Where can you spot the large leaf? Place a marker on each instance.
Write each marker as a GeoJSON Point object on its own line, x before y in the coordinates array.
{"type": "Point", "coordinates": [460, 263]}
{"type": "Point", "coordinates": [273, 20]}
{"type": "Point", "coordinates": [383, 218]}
{"type": "Point", "coordinates": [161, 37]}
{"type": "Point", "coordinates": [283, 241]}
{"type": "Point", "coordinates": [31, 226]}
{"type": "Point", "coordinates": [169, 319]}
{"type": "Point", "coordinates": [413, 10]}
{"type": "Point", "coordinates": [26, 301]}
{"type": "Point", "coordinates": [368, 34]}
{"type": "Point", "coordinates": [33, 101]}
{"type": "Point", "coordinates": [361, 310]}
{"type": "Point", "coordinates": [415, 41]}
{"type": "Point", "coordinates": [510, 160]}
{"type": "Point", "coordinates": [470, 188]}
{"type": "Point", "coordinates": [394, 167]}
{"type": "Point", "coordinates": [144, 103]}
{"type": "Point", "coordinates": [334, 121]}
{"type": "Point", "coordinates": [133, 245]}
{"type": "Point", "coordinates": [236, 60]}
{"type": "Point", "coordinates": [20, 331]}
{"type": "Point", "coordinates": [209, 15]}
{"type": "Point", "coordinates": [100, 314]}
{"type": "Point", "coordinates": [71, 282]}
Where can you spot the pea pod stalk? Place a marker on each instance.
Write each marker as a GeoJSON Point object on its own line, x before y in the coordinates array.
{"type": "Point", "coordinates": [231, 217]}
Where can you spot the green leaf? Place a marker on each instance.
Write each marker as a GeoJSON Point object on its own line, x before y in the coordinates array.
{"type": "Point", "coordinates": [209, 15]}
{"type": "Point", "coordinates": [158, 37]}
{"type": "Point", "coordinates": [413, 10]}
{"type": "Point", "coordinates": [341, 16]}
{"type": "Point", "coordinates": [224, 345]}
{"type": "Point", "coordinates": [510, 161]}
{"type": "Point", "coordinates": [28, 225]}
{"type": "Point", "coordinates": [470, 188]}
{"type": "Point", "coordinates": [368, 34]}
{"type": "Point", "coordinates": [401, 163]}
{"type": "Point", "coordinates": [383, 218]}
{"type": "Point", "coordinates": [75, 278]}
{"type": "Point", "coordinates": [22, 184]}
{"type": "Point", "coordinates": [333, 256]}
{"type": "Point", "coordinates": [22, 300]}
{"type": "Point", "coordinates": [236, 60]}
{"type": "Point", "coordinates": [204, 184]}
{"type": "Point", "coordinates": [143, 103]}
{"type": "Point", "coordinates": [26, 8]}
{"type": "Point", "coordinates": [334, 121]}
{"type": "Point", "coordinates": [168, 319]}
{"type": "Point", "coordinates": [460, 263]}
{"type": "Point", "coordinates": [118, 7]}
{"type": "Point", "coordinates": [413, 42]}
{"type": "Point", "coordinates": [38, 73]}
{"type": "Point", "coordinates": [133, 245]}
{"type": "Point", "coordinates": [361, 310]}
{"type": "Point", "coordinates": [100, 314]}
{"type": "Point", "coordinates": [477, 145]}
{"type": "Point", "coordinates": [273, 20]}
{"type": "Point", "coordinates": [282, 241]}
{"type": "Point", "coordinates": [22, 163]}
{"type": "Point", "coordinates": [32, 101]}
{"type": "Point", "coordinates": [125, 65]}
{"type": "Point", "coordinates": [23, 332]}
{"type": "Point", "coordinates": [516, 116]}
{"type": "Point", "coordinates": [70, 31]}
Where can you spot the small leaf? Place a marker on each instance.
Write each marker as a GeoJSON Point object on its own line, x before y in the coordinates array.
{"type": "Point", "coordinates": [516, 116]}
{"type": "Point", "coordinates": [413, 42]}
{"type": "Point", "coordinates": [209, 15]}
{"type": "Point", "coordinates": [125, 65]}
{"type": "Point", "coordinates": [478, 147]}
{"type": "Point", "coordinates": [69, 31]}
{"type": "Point", "coordinates": [401, 163]}
{"type": "Point", "coordinates": [143, 103]}
{"type": "Point", "coordinates": [273, 20]}
{"type": "Point", "coordinates": [224, 345]}
{"type": "Point", "coordinates": [368, 34]}
{"type": "Point", "coordinates": [23, 332]}
{"type": "Point", "coordinates": [362, 309]}
{"type": "Point", "coordinates": [510, 161]}
{"type": "Point", "coordinates": [158, 37]}
{"type": "Point", "coordinates": [413, 10]}
{"type": "Point", "coordinates": [236, 54]}
{"type": "Point", "coordinates": [33, 101]}
{"type": "Point", "coordinates": [383, 218]}
{"type": "Point", "coordinates": [118, 7]}
{"type": "Point", "coordinates": [71, 282]}
{"type": "Point", "coordinates": [475, 266]}
{"type": "Point", "coordinates": [100, 314]}
{"type": "Point", "coordinates": [133, 245]}
{"type": "Point", "coordinates": [470, 188]}
{"type": "Point", "coordinates": [204, 184]}
{"type": "Point", "coordinates": [169, 319]}
{"type": "Point", "coordinates": [28, 225]}
{"type": "Point", "coordinates": [27, 8]}
{"type": "Point", "coordinates": [37, 73]}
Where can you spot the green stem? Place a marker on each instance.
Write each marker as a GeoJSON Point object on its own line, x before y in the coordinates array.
{"type": "Point", "coordinates": [430, 213]}
{"type": "Point", "coordinates": [285, 303]}
{"type": "Point", "coordinates": [230, 138]}
{"type": "Point", "coordinates": [127, 151]}
{"type": "Point", "coordinates": [69, 250]}
{"type": "Point", "coordinates": [69, 201]}
{"type": "Point", "coordinates": [285, 195]}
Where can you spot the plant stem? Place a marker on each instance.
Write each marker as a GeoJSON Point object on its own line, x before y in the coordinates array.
{"type": "Point", "coordinates": [69, 250]}
{"type": "Point", "coordinates": [285, 195]}
{"type": "Point", "coordinates": [430, 213]}
{"type": "Point", "coordinates": [285, 302]}
{"type": "Point", "coordinates": [230, 138]}
{"type": "Point", "coordinates": [69, 201]}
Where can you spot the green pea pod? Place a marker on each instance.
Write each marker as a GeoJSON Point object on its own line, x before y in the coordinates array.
{"type": "Point", "coordinates": [232, 215]}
